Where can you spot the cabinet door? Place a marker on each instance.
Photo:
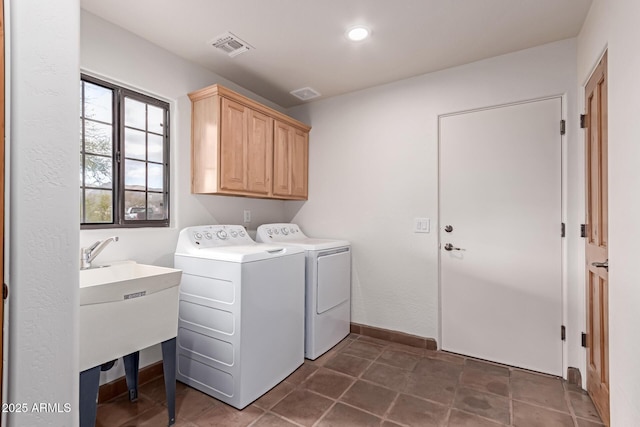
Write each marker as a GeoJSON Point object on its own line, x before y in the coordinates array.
{"type": "Point", "coordinates": [281, 159]}
{"type": "Point", "coordinates": [299, 149]}
{"type": "Point", "coordinates": [290, 161]}
{"type": "Point", "coordinates": [233, 145]}
{"type": "Point", "coordinates": [259, 152]}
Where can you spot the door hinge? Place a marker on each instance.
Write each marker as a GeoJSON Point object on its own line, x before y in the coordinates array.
{"type": "Point", "coordinates": [583, 230]}
{"type": "Point", "coordinates": [563, 230]}
{"type": "Point", "coordinates": [583, 121]}
{"type": "Point", "coordinates": [563, 127]}
{"type": "Point", "coordinates": [584, 339]}
{"type": "Point", "coordinates": [117, 156]}
{"type": "Point", "coordinates": [563, 333]}
{"type": "Point", "coordinates": [5, 291]}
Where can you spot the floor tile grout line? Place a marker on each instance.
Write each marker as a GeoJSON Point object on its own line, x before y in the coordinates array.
{"type": "Point", "coordinates": [284, 418]}
{"type": "Point", "coordinates": [537, 405]}
{"type": "Point", "coordinates": [511, 413]}
{"type": "Point", "coordinates": [388, 411]}
{"type": "Point", "coordinates": [567, 399]}
{"type": "Point", "coordinates": [337, 400]}
{"type": "Point", "coordinates": [480, 416]}
{"type": "Point", "coordinates": [455, 392]}
{"type": "Point", "coordinates": [351, 405]}
{"type": "Point", "coordinates": [359, 378]}
{"type": "Point", "coordinates": [324, 414]}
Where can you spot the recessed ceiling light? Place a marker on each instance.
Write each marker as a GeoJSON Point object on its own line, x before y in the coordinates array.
{"type": "Point", "coordinates": [358, 33]}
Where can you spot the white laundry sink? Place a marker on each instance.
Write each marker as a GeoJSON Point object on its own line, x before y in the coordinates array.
{"type": "Point", "coordinates": [125, 307]}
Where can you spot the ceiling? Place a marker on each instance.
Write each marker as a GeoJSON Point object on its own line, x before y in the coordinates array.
{"type": "Point", "coordinates": [300, 43]}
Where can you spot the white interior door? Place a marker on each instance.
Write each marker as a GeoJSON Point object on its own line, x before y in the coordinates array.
{"type": "Point", "coordinates": [500, 191]}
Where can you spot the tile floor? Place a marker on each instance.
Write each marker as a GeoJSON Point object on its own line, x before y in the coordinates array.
{"type": "Point", "coordinates": [369, 382]}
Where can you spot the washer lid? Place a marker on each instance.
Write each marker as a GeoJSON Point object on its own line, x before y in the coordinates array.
{"type": "Point", "coordinates": [248, 253]}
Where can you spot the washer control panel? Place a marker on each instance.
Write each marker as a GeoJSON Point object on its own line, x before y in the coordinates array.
{"type": "Point", "coordinates": [210, 236]}
{"type": "Point", "coordinates": [279, 232]}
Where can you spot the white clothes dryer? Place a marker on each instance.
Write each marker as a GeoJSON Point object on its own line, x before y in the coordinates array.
{"type": "Point", "coordinates": [241, 313]}
{"type": "Point", "coordinates": [327, 285]}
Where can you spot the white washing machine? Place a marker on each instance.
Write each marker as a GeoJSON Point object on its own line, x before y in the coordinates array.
{"type": "Point", "coordinates": [328, 285]}
{"type": "Point", "coordinates": [241, 313]}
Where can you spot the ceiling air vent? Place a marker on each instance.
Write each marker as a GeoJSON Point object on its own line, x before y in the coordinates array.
{"type": "Point", "coordinates": [231, 44]}
{"type": "Point", "coordinates": [306, 93]}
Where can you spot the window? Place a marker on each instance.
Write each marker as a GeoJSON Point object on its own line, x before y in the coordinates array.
{"type": "Point", "coordinates": [124, 157]}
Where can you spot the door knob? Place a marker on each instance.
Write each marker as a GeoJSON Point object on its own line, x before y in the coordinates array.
{"type": "Point", "coordinates": [450, 247]}
{"type": "Point", "coordinates": [448, 228]}
{"type": "Point", "coordinates": [604, 265]}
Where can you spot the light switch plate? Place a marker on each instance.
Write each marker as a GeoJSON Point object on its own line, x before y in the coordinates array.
{"type": "Point", "coordinates": [247, 216]}
{"type": "Point", "coordinates": [421, 225]}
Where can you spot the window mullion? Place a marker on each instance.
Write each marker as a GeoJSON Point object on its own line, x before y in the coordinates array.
{"type": "Point", "coordinates": [118, 195]}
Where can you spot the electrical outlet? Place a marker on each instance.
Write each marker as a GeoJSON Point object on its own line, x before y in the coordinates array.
{"type": "Point", "coordinates": [421, 225]}
{"type": "Point", "coordinates": [247, 216]}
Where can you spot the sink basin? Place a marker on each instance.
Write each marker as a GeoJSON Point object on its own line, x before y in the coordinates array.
{"type": "Point", "coordinates": [125, 307]}
{"type": "Point", "coordinates": [124, 280]}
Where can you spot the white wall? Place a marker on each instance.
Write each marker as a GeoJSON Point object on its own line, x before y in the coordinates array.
{"type": "Point", "coordinates": [613, 25]}
{"type": "Point", "coordinates": [43, 268]}
{"type": "Point", "coordinates": [592, 42]}
{"type": "Point", "coordinates": [109, 52]}
{"type": "Point", "coordinates": [374, 167]}
{"type": "Point", "coordinates": [624, 210]}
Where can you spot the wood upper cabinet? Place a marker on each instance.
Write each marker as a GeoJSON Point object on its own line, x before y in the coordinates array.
{"type": "Point", "coordinates": [290, 161]}
{"type": "Point", "coordinates": [246, 149]}
{"type": "Point", "coordinates": [240, 147]}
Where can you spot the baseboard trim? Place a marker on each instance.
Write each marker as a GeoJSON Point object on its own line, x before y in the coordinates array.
{"type": "Point", "coordinates": [394, 336]}
{"type": "Point", "coordinates": [574, 377]}
{"type": "Point", "coordinates": [118, 386]}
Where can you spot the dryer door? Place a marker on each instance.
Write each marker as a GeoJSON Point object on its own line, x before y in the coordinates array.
{"type": "Point", "coordinates": [334, 278]}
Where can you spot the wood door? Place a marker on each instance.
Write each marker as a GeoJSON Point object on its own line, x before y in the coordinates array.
{"type": "Point", "coordinates": [281, 160]}
{"type": "Point", "coordinates": [500, 191]}
{"type": "Point", "coordinates": [597, 220]}
{"type": "Point", "coordinates": [259, 152]}
{"type": "Point", "coordinates": [233, 145]}
{"type": "Point", "coordinates": [299, 164]}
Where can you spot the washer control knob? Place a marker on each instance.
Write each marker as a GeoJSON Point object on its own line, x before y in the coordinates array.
{"type": "Point", "coordinates": [285, 231]}
{"type": "Point", "coordinates": [242, 233]}
{"type": "Point", "coordinates": [269, 231]}
{"type": "Point", "coordinates": [197, 235]}
{"type": "Point", "coordinates": [208, 235]}
{"type": "Point", "coordinates": [276, 231]}
{"type": "Point", "coordinates": [222, 235]}
{"type": "Point", "coordinates": [234, 233]}
{"type": "Point", "coordinates": [292, 230]}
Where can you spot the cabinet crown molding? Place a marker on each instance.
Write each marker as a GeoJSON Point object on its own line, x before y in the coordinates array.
{"type": "Point", "coordinates": [219, 90]}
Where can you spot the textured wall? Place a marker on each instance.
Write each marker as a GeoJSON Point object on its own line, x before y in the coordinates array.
{"type": "Point", "coordinates": [624, 211]}
{"type": "Point", "coordinates": [43, 276]}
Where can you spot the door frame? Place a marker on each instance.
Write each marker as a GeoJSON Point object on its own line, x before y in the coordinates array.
{"type": "Point", "coordinates": [585, 315]}
{"type": "Point", "coordinates": [581, 273]}
{"type": "Point", "coordinates": [563, 208]}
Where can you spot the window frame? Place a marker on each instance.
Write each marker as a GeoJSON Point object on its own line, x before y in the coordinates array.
{"type": "Point", "coordinates": [118, 158]}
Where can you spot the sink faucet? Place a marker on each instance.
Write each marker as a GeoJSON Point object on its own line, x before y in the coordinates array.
{"type": "Point", "coordinates": [87, 255]}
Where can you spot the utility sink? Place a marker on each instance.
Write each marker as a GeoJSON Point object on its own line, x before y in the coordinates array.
{"type": "Point", "coordinates": [125, 307]}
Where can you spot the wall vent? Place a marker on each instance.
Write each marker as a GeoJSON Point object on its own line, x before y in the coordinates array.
{"type": "Point", "coordinates": [231, 44]}
{"type": "Point", "coordinates": [305, 93]}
